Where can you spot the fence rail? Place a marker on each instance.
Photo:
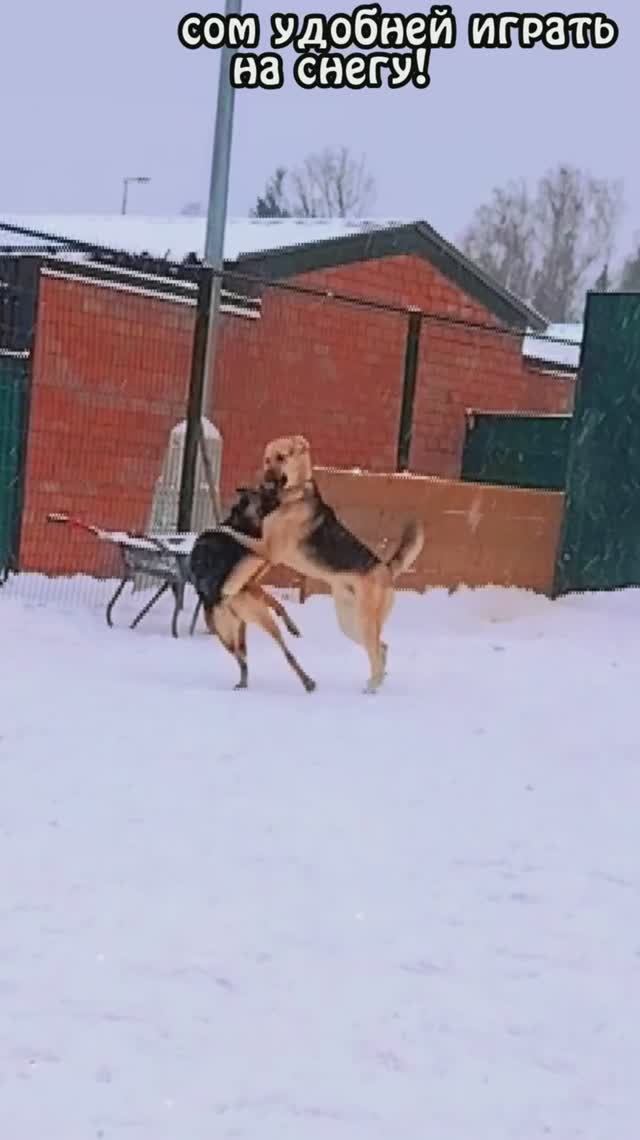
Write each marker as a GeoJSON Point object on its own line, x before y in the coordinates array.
{"type": "Point", "coordinates": [114, 371]}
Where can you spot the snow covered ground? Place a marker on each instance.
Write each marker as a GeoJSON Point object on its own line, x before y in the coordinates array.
{"type": "Point", "coordinates": [279, 916]}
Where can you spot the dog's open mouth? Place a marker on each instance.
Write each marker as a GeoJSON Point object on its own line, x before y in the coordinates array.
{"type": "Point", "coordinates": [275, 479]}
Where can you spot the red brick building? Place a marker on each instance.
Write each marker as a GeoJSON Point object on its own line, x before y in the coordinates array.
{"type": "Point", "coordinates": [111, 365]}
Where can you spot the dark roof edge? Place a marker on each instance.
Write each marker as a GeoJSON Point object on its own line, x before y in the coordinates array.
{"type": "Point", "coordinates": [150, 282]}
{"type": "Point", "coordinates": [231, 301]}
{"type": "Point", "coordinates": [535, 319]}
{"type": "Point", "coordinates": [415, 238]}
{"type": "Point", "coordinates": [133, 280]}
{"type": "Point", "coordinates": [187, 270]}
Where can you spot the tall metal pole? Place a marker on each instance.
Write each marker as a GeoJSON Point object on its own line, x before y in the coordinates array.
{"type": "Point", "coordinates": [218, 196]}
{"type": "Point", "coordinates": [203, 357]}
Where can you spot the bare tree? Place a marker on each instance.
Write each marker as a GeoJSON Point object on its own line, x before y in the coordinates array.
{"type": "Point", "coordinates": [328, 184]}
{"type": "Point", "coordinates": [577, 217]}
{"type": "Point", "coordinates": [603, 281]}
{"type": "Point", "coordinates": [502, 238]}
{"type": "Point", "coordinates": [545, 246]}
{"type": "Point", "coordinates": [333, 184]}
{"type": "Point", "coordinates": [272, 203]}
{"type": "Point", "coordinates": [630, 276]}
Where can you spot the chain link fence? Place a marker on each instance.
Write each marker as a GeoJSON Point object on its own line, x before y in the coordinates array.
{"type": "Point", "coordinates": [101, 378]}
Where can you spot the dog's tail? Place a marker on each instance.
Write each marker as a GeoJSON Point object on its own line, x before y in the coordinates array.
{"type": "Point", "coordinates": [410, 546]}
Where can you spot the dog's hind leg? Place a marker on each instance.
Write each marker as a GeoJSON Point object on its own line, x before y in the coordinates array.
{"type": "Point", "coordinates": [383, 609]}
{"type": "Point", "coordinates": [384, 648]}
{"type": "Point", "coordinates": [232, 634]}
{"type": "Point", "coordinates": [360, 618]}
{"type": "Point", "coordinates": [240, 654]}
{"type": "Point", "coordinates": [371, 626]}
{"type": "Point", "coordinates": [276, 606]}
{"type": "Point", "coordinates": [269, 626]}
{"type": "Point", "coordinates": [254, 610]}
{"type": "Point", "coordinates": [377, 659]}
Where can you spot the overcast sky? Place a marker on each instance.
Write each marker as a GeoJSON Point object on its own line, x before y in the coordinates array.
{"type": "Point", "coordinates": [95, 92]}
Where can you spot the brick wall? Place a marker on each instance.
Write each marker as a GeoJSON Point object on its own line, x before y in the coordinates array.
{"type": "Point", "coordinates": [459, 368]}
{"type": "Point", "coordinates": [109, 380]}
{"type": "Point", "coordinates": [464, 369]}
{"type": "Point", "coordinates": [324, 368]}
{"type": "Point", "coordinates": [111, 373]}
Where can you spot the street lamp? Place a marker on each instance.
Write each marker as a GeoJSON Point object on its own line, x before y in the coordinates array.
{"type": "Point", "coordinates": [125, 187]}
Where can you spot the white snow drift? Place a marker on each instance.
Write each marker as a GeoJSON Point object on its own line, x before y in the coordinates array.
{"type": "Point", "coordinates": [273, 915]}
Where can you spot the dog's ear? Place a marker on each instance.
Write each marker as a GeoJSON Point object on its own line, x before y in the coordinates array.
{"type": "Point", "coordinates": [300, 445]}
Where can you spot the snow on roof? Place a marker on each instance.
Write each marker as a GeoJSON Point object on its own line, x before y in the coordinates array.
{"type": "Point", "coordinates": [176, 237]}
{"type": "Point", "coordinates": [547, 347]}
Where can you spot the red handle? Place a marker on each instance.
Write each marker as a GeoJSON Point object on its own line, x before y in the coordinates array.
{"type": "Point", "coordinates": [56, 517]}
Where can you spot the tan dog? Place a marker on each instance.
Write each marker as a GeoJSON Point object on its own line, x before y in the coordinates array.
{"type": "Point", "coordinates": [214, 558]}
{"type": "Point", "coordinates": [304, 534]}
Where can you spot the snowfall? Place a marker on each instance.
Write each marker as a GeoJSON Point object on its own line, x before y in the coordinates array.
{"type": "Point", "coordinates": [273, 915]}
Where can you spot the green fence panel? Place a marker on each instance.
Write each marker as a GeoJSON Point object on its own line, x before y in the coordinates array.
{"type": "Point", "coordinates": [517, 450]}
{"type": "Point", "coordinates": [13, 405]}
{"type": "Point", "coordinates": [600, 539]}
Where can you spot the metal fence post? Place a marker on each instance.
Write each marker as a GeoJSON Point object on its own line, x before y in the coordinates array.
{"type": "Point", "coordinates": [18, 331]}
{"type": "Point", "coordinates": [414, 328]}
{"type": "Point", "coordinates": [194, 400]}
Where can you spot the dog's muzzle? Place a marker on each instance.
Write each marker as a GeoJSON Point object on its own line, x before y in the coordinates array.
{"type": "Point", "coordinates": [276, 479]}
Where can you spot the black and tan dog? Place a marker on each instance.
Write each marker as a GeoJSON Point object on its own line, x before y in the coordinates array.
{"type": "Point", "coordinates": [304, 534]}
{"type": "Point", "coordinates": [216, 556]}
